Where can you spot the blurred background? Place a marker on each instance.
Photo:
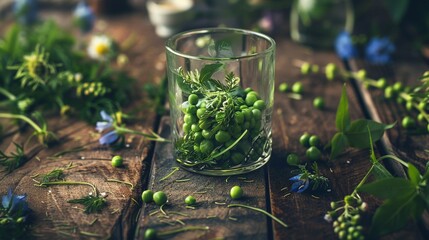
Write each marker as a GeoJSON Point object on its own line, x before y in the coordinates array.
{"type": "Point", "coordinates": [315, 23]}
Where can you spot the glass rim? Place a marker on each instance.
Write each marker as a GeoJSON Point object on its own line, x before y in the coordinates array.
{"type": "Point", "coordinates": [171, 40]}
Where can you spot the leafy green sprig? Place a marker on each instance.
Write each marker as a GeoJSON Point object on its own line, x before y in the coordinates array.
{"type": "Point", "coordinates": [14, 160]}
{"type": "Point", "coordinates": [353, 133]}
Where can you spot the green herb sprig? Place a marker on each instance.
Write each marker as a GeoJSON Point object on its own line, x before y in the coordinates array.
{"type": "Point", "coordinates": [14, 160]}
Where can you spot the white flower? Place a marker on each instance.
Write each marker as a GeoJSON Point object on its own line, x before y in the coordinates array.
{"type": "Point", "coordinates": [99, 47]}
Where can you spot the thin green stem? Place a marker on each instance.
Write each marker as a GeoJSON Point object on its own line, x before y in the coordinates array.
{"type": "Point", "coordinates": [394, 158]}
{"type": "Point", "coordinates": [261, 211]}
{"type": "Point", "coordinates": [152, 136]}
{"type": "Point", "coordinates": [175, 169]}
{"type": "Point", "coordinates": [7, 94]}
{"type": "Point", "coordinates": [119, 181]}
{"type": "Point", "coordinates": [23, 118]}
{"type": "Point", "coordinates": [70, 183]}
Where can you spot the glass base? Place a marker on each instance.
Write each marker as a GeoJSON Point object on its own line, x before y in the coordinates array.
{"type": "Point", "coordinates": [236, 170]}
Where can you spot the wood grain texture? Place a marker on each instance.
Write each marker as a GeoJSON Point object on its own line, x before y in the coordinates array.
{"type": "Point", "coordinates": [212, 194]}
{"type": "Point", "coordinates": [52, 216]}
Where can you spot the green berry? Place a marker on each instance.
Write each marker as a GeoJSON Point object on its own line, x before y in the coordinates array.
{"type": "Point", "coordinates": [381, 83]}
{"type": "Point", "coordinates": [292, 159]}
{"type": "Point", "coordinates": [283, 87]}
{"type": "Point", "coordinates": [150, 234]}
{"type": "Point", "coordinates": [147, 196]}
{"type": "Point", "coordinates": [314, 141]}
{"type": "Point", "coordinates": [236, 192]}
{"type": "Point", "coordinates": [237, 158]}
{"type": "Point", "coordinates": [259, 104]}
{"type": "Point", "coordinates": [305, 68]}
{"type": "Point", "coordinates": [330, 71]}
{"type": "Point", "coordinates": [222, 136]}
{"type": "Point", "coordinates": [409, 105]}
{"type": "Point", "coordinates": [388, 92]}
{"type": "Point", "coordinates": [304, 139]}
{"type": "Point", "coordinates": [315, 68]}
{"type": "Point", "coordinates": [319, 103]}
{"type": "Point", "coordinates": [206, 146]}
{"type": "Point", "coordinates": [297, 87]}
{"type": "Point", "coordinates": [313, 153]}
{"type": "Point", "coordinates": [408, 122]}
{"type": "Point", "coordinates": [397, 86]}
{"type": "Point", "coordinates": [160, 198]}
{"type": "Point", "coordinates": [251, 98]}
{"type": "Point", "coordinates": [190, 200]}
{"type": "Point", "coordinates": [193, 99]}
{"type": "Point", "coordinates": [117, 161]}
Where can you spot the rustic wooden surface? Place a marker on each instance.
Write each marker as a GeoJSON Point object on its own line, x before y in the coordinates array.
{"type": "Point", "coordinates": [126, 217]}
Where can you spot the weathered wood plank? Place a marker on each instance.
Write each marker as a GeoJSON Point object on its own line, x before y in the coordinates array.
{"type": "Point", "coordinates": [52, 216]}
{"type": "Point", "coordinates": [291, 119]}
{"type": "Point", "coordinates": [212, 194]}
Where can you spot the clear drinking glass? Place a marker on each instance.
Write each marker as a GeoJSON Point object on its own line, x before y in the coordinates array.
{"type": "Point", "coordinates": [221, 92]}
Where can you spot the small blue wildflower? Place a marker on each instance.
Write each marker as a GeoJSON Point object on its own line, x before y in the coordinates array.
{"type": "Point", "coordinates": [16, 206]}
{"type": "Point", "coordinates": [344, 46]}
{"type": "Point", "coordinates": [299, 185]}
{"type": "Point", "coordinates": [379, 50]}
{"type": "Point", "coordinates": [107, 124]}
{"type": "Point", "coordinates": [25, 11]}
{"type": "Point", "coordinates": [84, 17]}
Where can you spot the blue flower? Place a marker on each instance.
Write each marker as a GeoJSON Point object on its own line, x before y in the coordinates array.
{"type": "Point", "coordinates": [26, 11]}
{"type": "Point", "coordinates": [15, 205]}
{"type": "Point", "coordinates": [107, 124]}
{"type": "Point", "coordinates": [378, 50]}
{"type": "Point", "coordinates": [299, 185]}
{"type": "Point", "coordinates": [344, 46]}
{"type": "Point", "coordinates": [84, 17]}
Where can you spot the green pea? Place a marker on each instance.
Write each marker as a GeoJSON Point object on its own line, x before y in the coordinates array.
{"type": "Point", "coordinates": [197, 148]}
{"type": "Point", "coordinates": [409, 105]}
{"type": "Point", "coordinates": [304, 139]}
{"type": "Point", "coordinates": [204, 124]}
{"type": "Point", "coordinates": [189, 119]}
{"type": "Point", "coordinates": [297, 87]}
{"type": "Point", "coordinates": [117, 161]}
{"type": "Point", "coordinates": [251, 99]}
{"type": "Point", "coordinates": [422, 106]}
{"type": "Point", "coordinates": [256, 113]}
{"type": "Point", "coordinates": [247, 114]}
{"type": "Point", "coordinates": [236, 192]}
{"type": "Point", "coordinates": [381, 83]}
{"type": "Point", "coordinates": [236, 131]}
{"type": "Point", "coordinates": [388, 92]}
{"type": "Point", "coordinates": [292, 159]}
{"type": "Point", "coordinates": [201, 112]}
{"type": "Point", "coordinates": [190, 200]}
{"type": "Point", "coordinates": [206, 134]}
{"type": "Point", "coordinates": [150, 234]}
{"type": "Point", "coordinates": [248, 90]}
{"type": "Point", "coordinates": [191, 110]}
{"type": "Point", "coordinates": [314, 141]}
{"type": "Point", "coordinates": [237, 158]}
{"type": "Point", "coordinates": [330, 71]}
{"type": "Point", "coordinates": [193, 99]}
{"type": "Point", "coordinates": [408, 122]}
{"type": "Point", "coordinates": [206, 146]}
{"type": "Point", "coordinates": [313, 153]}
{"type": "Point", "coordinates": [305, 68]}
{"type": "Point", "coordinates": [246, 125]}
{"type": "Point", "coordinates": [222, 136]}
{"type": "Point", "coordinates": [160, 198]}
{"type": "Point", "coordinates": [198, 137]}
{"type": "Point", "coordinates": [195, 127]}
{"type": "Point", "coordinates": [283, 87]}
{"type": "Point", "coordinates": [259, 104]}
{"type": "Point", "coordinates": [239, 117]}
{"type": "Point", "coordinates": [319, 103]}
{"type": "Point", "coordinates": [187, 127]}
{"type": "Point", "coordinates": [147, 196]}
{"type": "Point", "coordinates": [397, 86]}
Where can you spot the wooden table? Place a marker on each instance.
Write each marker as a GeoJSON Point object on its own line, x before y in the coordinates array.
{"type": "Point", "coordinates": [147, 163]}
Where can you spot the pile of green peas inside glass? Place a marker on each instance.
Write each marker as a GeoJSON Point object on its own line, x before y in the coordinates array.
{"type": "Point", "coordinates": [213, 129]}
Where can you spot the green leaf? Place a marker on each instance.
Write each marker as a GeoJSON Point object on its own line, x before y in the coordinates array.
{"type": "Point", "coordinates": [397, 9]}
{"type": "Point", "coordinates": [208, 70]}
{"type": "Point", "coordinates": [338, 144]}
{"type": "Point", "coordinates": [393, 214]}
{"type": "Point", "coordinates": [186, 88]}
{"type": "Point", "coordinates": [342, 120]}
{"type": "Point", "coordinates": [358, 135]}
{"type": "Point", "coordinates": [389, 188]}
{"type": "Point", "coordinates": [378, 171]}
{"type": "Point", "coordinates": [413, 174]}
